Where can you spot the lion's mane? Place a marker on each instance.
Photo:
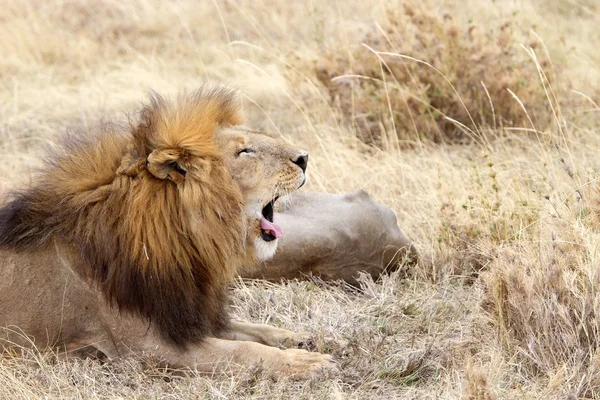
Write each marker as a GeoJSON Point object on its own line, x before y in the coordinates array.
{"type": "Point", "coordinates": [150, 212]}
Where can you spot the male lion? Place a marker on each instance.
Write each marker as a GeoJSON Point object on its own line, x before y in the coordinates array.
{"type": "Point", "coordinates": [126, 242]}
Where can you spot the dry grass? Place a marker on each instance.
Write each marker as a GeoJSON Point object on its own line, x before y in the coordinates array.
{"type": "Point", "coordinates": [508, 305]}
{"type": "Point", "coordinates": [408, 78]}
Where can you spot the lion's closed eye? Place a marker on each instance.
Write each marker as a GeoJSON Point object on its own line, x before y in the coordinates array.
{"type": "Point", "coordinates": [247, 150]}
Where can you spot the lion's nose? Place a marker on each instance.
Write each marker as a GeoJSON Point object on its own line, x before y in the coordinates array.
{"type": "Point", "coordinates": [301, 161]}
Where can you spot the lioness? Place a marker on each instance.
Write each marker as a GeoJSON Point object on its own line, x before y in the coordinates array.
{"type": "Point", "coordinates": [127, 240]}
{"type": "Point", "coordinates": [334, 237]}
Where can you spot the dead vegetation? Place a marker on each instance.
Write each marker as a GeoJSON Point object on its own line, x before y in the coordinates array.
{"type": "Point", "coordinates": [498, 189]}
{"type": "Point", "coordinates": [424, 74]}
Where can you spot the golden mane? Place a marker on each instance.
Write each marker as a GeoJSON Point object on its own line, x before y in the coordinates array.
{"type": "Point", "coordinates": [151, 211]}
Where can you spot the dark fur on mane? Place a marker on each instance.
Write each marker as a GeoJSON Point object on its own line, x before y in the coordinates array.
{"type": "Point", "coordinates": [157, 242]}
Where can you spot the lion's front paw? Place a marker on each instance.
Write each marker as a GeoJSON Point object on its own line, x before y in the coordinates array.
{"type": "Point", "coordinates": [285, 339]}
{"type": "Point", "coordinates": [303, 340]}
{"type": "Point", "coordinates": [302, 364]}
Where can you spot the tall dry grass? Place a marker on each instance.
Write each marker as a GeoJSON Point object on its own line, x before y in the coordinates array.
{"type": "Point", "coordinates": [408, 100]}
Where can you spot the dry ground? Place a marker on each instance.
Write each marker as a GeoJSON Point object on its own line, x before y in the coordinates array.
{"type": "Point", "coordinates": [481, 124]}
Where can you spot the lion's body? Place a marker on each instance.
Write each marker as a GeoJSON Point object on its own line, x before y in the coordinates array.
{"type": "Point", "coordinates": [55, 307]}
{"type": "Point", "coordinates": [126, 242]}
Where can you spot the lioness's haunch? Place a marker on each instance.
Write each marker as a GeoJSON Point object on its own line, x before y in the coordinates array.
{"type": "Point", "coordinates": [334, 237]}
{"type": "Point", "coordinates": [127, 240]}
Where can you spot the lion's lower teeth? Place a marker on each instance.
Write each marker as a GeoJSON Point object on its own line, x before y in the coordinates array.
{"type": "Point", "coordinates": [268, 231]}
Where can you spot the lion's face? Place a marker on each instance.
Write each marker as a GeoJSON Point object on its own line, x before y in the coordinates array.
{"type": "Point", "coordinates": [265, 168]}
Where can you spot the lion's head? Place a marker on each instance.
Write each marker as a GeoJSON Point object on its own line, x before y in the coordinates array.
{"type": "Point", "coordinates": [152, 215]}
{"type": "Point", "coordinates": [266, 168]}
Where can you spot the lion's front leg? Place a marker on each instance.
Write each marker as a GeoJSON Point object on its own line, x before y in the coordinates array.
{"type": "Point", "coordinates": [220, 355]}
{"type": "Point", "coordinates": [266, 334]}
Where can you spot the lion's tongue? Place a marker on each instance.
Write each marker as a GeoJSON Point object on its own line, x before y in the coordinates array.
{"type": "Point", "coordinates": [267, 225]}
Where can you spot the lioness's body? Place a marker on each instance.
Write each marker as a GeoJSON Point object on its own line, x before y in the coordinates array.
{"type": "Point", "coordinates": [127, 241]}
{"type": "Point", "coordinates": [334, 237]}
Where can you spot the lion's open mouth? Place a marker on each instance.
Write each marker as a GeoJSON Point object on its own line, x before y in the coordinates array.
{"type": "Point", "coordinates": [269, 230]}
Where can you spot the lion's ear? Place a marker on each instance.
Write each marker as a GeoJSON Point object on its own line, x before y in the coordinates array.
{"type": "Point", "coordinates": [166, 164]}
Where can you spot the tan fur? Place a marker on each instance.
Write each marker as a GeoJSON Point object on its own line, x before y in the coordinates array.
{"type": "Point", "coordinates": [335, 237]}
{"type": "Point", "coordinates": [128, 239]}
